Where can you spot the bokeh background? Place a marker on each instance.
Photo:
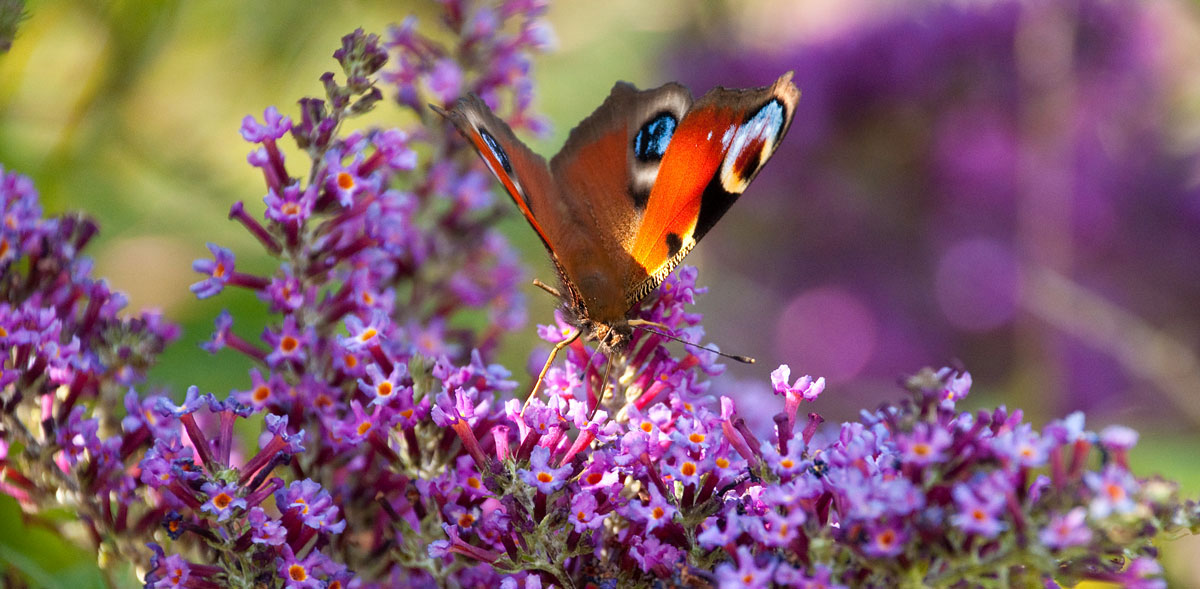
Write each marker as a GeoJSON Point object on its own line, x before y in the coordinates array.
{"type": "Point", "coordinates": [1013, 187]}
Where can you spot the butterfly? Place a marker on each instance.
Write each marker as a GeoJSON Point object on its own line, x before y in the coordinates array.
{"type": "Point", "coordinates": [636, 185]}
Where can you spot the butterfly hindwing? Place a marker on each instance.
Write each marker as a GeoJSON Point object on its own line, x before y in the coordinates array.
{"type": "Point", "coordinates": [717, 149]}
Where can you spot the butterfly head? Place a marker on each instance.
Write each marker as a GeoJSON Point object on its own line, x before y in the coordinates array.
{"type": "Point", "coordinates": [612, 337]}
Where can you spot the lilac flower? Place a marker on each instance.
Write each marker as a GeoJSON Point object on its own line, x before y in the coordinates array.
{"type": "Point", "coordinates": [583, 513]}
{"type": "Point", "coordinates": [1066, 530]}
{"type": "Point", "coordinates": [220, 271]}
{"type": "Point", "coordinates": [1113, 492]}
{"type": "Point", "coordinates": [223, 499]}
{"type": "Point", "coordinates": [976, 514]}
{"type": "Point", "coordinates": [290, 208]}
{"type": "Point", "coordinates": [926, 445]}
{"type": "Point", "coordinates": [265, 530]}
{"type": "Point", "coordinates": [747, 573]}
{"type": "Point", "coordinates": [299, 573]}
{"type": "Point", "coordinates": [541, 476]}
{"type": "Point", "coordinates": [655, 513]}
{"type": "Point", "coordinates": [274, 126]}
{"type": "Point", "coordinates": [885, 540]}
{"type": "Point", "coordinates": [383, 389]}
{"type": "Point", "coordinates": [1022, 446]}
{"type": "Point", "coordinates": [289, 344]}
{"type": "Point", "coordinates": [651, 553]}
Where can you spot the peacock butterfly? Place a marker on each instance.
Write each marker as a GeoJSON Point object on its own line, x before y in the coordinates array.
{"type": "Point", "coordinates": [636, 185]}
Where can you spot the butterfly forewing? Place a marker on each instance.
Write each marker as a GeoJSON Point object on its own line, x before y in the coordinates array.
{"type": "Point", "coordinates": [523, 174]}
{"type": "Point", "coordinates": [608, 166]}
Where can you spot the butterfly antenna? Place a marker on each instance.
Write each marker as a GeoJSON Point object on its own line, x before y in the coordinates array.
{"type": "Point", "coordinates": [642, 324]}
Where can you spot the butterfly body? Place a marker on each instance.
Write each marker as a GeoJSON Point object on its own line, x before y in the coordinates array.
{"type": "Point", "coordinates": [636, 185]}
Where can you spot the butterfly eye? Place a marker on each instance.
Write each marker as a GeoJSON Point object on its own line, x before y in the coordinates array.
{"type": "Point", "coordinates": [652, 139]}
{"type": "Point", "coordinates": [497, 151]}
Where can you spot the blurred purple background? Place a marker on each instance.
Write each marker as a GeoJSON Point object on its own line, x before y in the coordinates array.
{"type": "Point", "coordinates": [1001, 184]}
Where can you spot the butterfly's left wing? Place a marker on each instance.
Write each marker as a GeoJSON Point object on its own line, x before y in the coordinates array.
{"type": "Point", "coordinates": [718, 148]}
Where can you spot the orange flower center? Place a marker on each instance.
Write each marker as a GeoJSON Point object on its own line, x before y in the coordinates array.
{"type": "Point", "coordinates": [297, 573]}
{"type": "Point", "coordinates": [887, 538]}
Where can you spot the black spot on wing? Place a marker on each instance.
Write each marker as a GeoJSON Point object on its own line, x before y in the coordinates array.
{"type": "Point", "coordinates": [713, 204]}
{"type": "Point", "coordinates": [652, 139]}
{"type": "Point", "coordinates": [497, 151]}
{"type": "Point", "coordinates": [639, 195]}
{"type": "Point", "coordinates": [673, 244]}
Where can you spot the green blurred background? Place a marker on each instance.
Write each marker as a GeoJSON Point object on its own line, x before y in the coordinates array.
{"type": "Point", "coordinates": [129, 111]}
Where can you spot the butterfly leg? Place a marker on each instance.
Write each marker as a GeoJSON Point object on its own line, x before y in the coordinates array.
{"type": "Point", "coordinates": [553, 352]}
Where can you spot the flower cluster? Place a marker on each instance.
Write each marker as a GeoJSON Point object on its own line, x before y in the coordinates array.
{"type": "Point", "coordinates": [210, 499]}
{"type": "Point", "coordinates": [383, 256]}
{"type": "Point", "coordinates": [393, 453]}
{"type": "Point", "coordinates": [674, 487]}
{"type": "Point", "coordinates": [919, 492]}
{"type": "Point", "coordinates": [68, 357]}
